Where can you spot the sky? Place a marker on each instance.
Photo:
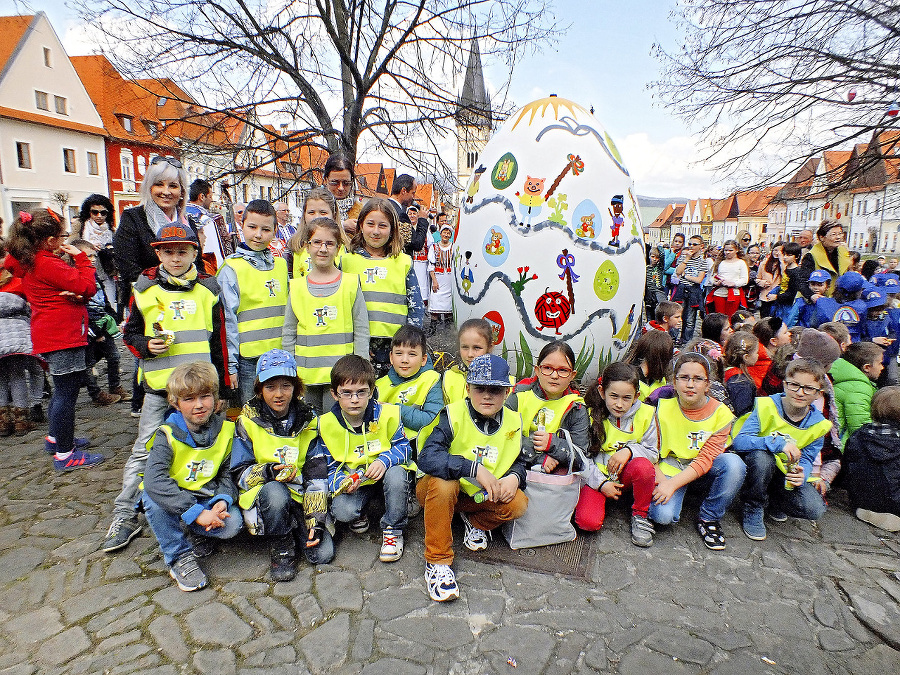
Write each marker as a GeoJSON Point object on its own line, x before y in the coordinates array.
{"type": "Point", "coordinates": [603, 60]}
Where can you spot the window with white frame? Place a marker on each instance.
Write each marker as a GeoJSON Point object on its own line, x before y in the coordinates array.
{"type": "Point", "coordinates": [23, 155]}
{"type": "Point", "coordinates": [62, 106]}
{"type": "Point", "coordinates": [41, 100]}
{"type": "Point", "coordinates": [127, 162]}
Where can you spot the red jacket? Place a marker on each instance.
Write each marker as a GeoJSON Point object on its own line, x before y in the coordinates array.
{"type": "Point", "coordinates": [761, 367]}
{"type": "Point", "coordinates": [57, 321]}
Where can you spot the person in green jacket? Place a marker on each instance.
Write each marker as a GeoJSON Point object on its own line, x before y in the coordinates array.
{"type": "Point", "coordinates": [854, 375]}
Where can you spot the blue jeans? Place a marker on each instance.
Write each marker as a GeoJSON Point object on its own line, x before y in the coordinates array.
{"type": "Point", "coordinates": [278, 512]}
{"type": "Point", "coordinates": [723, 481]}
{"type": "Point", "coordinates": [170, 532]}
{"type": "Point", "coordinates": [61, 411]}
{"type": "Point", "coordinates": [347, 508]}
{"type": "Point", "coordinates": [765, 484]}
{"type": "Point", "coordinates": [246, 378]}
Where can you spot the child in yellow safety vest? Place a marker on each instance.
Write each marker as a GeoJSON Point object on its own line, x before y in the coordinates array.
{"type": "Point", "coordinates": [624, 448]}
{"type": "Point", "coordinates": [387, 277]}
{"type": "Point", "coordinates": [175, 318]}
{"type": "Point", "coordinates": [254, 291]}
{"type": "Point", "coordinates": [326, 315]}
{"type": "Point", "coordinates": [319, 203]}
{"type": "Point", "coordinates": [367, 451]}
{"type": "Point", "coordinates": [779, 441]}
{"type": "Point", "coordinates": [693, 430]}
{"type": "Point", "coordinates": [473, 465]}
{"type": "Point", "coordinates": [474, 338]}
{"type": "Point", "coordinates": [188, 492]}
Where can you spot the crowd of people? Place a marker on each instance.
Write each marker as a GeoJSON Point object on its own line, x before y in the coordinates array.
{"type": "Point", "coordinates": [316, 333]}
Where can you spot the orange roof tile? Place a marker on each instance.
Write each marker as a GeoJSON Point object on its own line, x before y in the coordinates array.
{"type": "Point", "coordinates": [12, 28]}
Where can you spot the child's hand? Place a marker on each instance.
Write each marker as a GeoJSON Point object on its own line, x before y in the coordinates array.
{"type": "Point", "coordinates": [663, 492]}
{"type": "Point", "coordinates": [349, 226]}
{"type": "Point", "coordinates": [285, 473]}
{"type": "Point", "coordinates": [822, 486]}
{"type": "Point", "coordinates": [795, 478]}
{"type": "Point", "coordinates": [611, 490]}
{"type": "Point", "coordinates": [489, 482]}
{"type": "Point", "coordinates": [540, 440]}
{"type": "Point", "coordinates": [617, 462]}
{"type": "Point", "coordinates": [315, 536]}
{"type": "Point", "coordinates": [792, 451]}
{"type": "Point", "coordinates": [883, 341]}
{"type": "Point", "coordinates": [376, 470]}
{"type": "Point", "coordinates": [71, 250]}
{"type": "Point", "coordinates": [814, 297]}
{"type": "Point", "coordinates": [508, 487]}
{"type": "Point", "coordinates": [435, 286]}
{"type": "Point", "coordinates": [549, 464]}
{"type": "Point", "coordinates": [157, 346]}
{"type": "Point", "coordinates": [70, 294]}
{"type": "Point", "coordinates": [214, 518]}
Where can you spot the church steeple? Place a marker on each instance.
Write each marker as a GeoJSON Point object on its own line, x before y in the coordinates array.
{"type": "Point", "coordinates": [473, 117]}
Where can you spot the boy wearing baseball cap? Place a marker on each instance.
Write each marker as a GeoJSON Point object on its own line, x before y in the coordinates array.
{"type": "Point", "coordinates": [845, 306]}
{"type": "Point", "coordinates": [473, 464]}
{"type": "Point", "coordinates": [440, 271]}
{"type": "Point", "coordinates": [175, 317]}
{"type": "Point", "coordinates": [282, 480]}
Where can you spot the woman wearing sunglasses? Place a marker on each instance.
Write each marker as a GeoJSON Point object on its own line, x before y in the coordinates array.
{"type": "Point", "coordinates": [97, 226]}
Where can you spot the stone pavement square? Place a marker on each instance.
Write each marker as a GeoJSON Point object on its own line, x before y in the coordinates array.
{"type": "Point", "coordinates": [812, 598]}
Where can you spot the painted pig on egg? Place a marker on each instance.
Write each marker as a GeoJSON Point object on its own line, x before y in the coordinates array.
{"type": "Point", "coordinates": [549, 244]}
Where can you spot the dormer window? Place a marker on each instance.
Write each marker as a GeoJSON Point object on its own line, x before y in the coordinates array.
{"type": "Point", "coordinates": [126, 123]}
{"type": "Point", "coordinates": [152, 128]}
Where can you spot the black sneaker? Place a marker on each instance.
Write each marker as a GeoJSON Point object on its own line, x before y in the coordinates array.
{"type": "Point", "coordinates": [712, 535]}
{"type": "Point", "coordinates": [120, 533]}
{"type": "Point", "coordinates": [283, 557]}
{"type": "Point", "coordinates": [203, 546]}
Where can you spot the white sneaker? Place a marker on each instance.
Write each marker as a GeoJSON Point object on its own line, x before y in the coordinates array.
{"type": "Point", "coordinates": [441, 582]}
{"type": "Point", "coordinates": [391, 546]}
{"type": "Point", "coordinates": [474, 539]}
{"type": "Point", "coordinates": [884, 521]}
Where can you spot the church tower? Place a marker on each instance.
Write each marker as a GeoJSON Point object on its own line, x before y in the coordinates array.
{"type": "Point", "coordinates": [473, 118]}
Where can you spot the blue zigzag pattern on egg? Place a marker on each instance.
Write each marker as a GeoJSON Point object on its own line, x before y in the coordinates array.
{"type": "Point", "coordinates": [527, 322]}
{"type": "Point", "coordinates": [549, 224]}
{"type": "Point", "coordinates": [576, 129]}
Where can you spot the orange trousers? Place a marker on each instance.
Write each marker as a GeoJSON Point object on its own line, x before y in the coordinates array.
{"type": "Point", "coordinates": [442, 498]}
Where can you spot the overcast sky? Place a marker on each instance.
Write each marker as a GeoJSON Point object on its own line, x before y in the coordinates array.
{"type": "Point", "coordinates": [603, 60]}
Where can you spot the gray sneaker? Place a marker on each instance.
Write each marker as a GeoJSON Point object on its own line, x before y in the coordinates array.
{"type": "Point", "coordinates": [187, 573]}
{"type": "Point", "coordinates": [120, 534]}
{"type": "Point", "coordinates": [641, 532]}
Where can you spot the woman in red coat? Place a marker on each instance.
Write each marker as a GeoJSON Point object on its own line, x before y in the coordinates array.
{"type": "Point", "coordinates": [57, 293]}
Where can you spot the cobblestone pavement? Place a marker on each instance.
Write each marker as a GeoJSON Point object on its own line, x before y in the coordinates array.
{"type": "Point", "coordinates": [811, 599]}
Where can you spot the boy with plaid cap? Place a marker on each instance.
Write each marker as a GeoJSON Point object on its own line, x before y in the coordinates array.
{"type": "Point", "coordinates": [473, 464]}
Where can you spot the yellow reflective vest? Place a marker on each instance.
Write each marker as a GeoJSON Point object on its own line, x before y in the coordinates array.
{"type": "Point", "coordinates": [267, 448]}
{"type": "Point", "coordinates": [192, 468]}
{"type": "Point", "coordinates": [537, 411]}
{"type": "Point", "coordinates": [412, 392]}
{"type": "Point", "coordinates": [303, 261]}
{"type": "Point", "coordinates": [383, 283]}
{"type": "Point", "coordinates": [497, 451]}
{"type": "Point", "coordinates": [645, 389]}
{"type": "Point", "coordinates": [680, 438]}
{"type": "Point", "coordinates": [454, 385]}
{"type": "Point", "coordinates": [187, 313]}
{"type": "Point", "coordinates": [616, 438]}
{"type": "Point", "coordinates": [358, 450]}
{"type": "Point", "coordinates": [260, 313]}
{"type": "Point", "coordinates": [324, 327]}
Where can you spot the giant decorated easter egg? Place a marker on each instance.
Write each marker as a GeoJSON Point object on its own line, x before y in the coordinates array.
{"type": "Point", "coordinates": [549, 243]}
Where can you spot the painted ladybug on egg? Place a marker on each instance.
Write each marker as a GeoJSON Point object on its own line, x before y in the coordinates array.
{"type": "Point", "coordinates": [552, 310]}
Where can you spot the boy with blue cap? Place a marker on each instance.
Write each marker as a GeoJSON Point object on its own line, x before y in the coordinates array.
{"type": "Point", "coordinates": [881, 328]}
{"type": "Point", "coordinates": [473, 464]}
{"type": "Point", "coordinates": [281, 478]}
{"type": "Point", "coordinates": [846, 305]}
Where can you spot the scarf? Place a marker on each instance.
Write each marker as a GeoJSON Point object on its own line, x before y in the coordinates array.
{"type": "Point", "coordinates": [99, 235]}
{"type": "Point", "coordinates": [184, 281]}
{"type": "Point", "coordinates": [344, 205]}
{"type": "Point", "coordinates": [158, 220]}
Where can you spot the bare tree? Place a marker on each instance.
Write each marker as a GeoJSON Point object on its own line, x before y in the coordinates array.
{"type": "Point", "coordinates": [339, 73]}
{"type": "Point", "coordinates": [772, 83]}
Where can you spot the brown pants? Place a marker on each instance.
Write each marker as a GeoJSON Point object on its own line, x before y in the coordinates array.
{"type": "Point", "coordinates": [442, 498]}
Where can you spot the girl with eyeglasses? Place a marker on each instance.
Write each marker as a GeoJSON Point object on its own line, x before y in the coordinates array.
{"type": "Point", "coordinates": [549, 402]}
{"type": "Point", "coordinates": [779, 442]}
{"type": "Point", "coordinates": [624, 446]}
{"type": "Point", "coordinates": [693, 432]}
{"type": "Point", "coordinates": [326, 316]}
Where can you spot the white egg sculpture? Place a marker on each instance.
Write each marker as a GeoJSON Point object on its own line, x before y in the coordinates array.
{"type": "Point", "coordinates": [549, 242]}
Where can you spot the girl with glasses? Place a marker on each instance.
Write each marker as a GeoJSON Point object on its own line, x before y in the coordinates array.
{"type": "Point", "coordinates": [693, 431]}
{"type": "Point", "coordinates": [549, 402]}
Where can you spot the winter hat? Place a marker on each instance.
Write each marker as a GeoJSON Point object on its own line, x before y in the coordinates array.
{"type": "Point", "coordinates": [488, 370]}
{"type": "Point", "coordinates": [818, 346]}
{"type": "Point", "coordinates": [820, 276]}
{"type": "Point", "coordinates": [275, 363]}
{"type": "Point", "coordinates": [852, 282]}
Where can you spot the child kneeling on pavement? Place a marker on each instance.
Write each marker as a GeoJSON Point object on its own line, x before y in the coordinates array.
{"type": "Point", "coordinates": [283, 486]}
{"type": "Point", "coordinates": [188, 492]}
{"type": "Point", "coordinates": [367, 451]}
{"type": "Point", "coordinates": [473, 464]}
{"type": "Point", "coordinates": [786, 432]}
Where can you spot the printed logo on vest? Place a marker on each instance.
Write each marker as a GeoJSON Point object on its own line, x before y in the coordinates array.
{"type": "Point", "coordinates": [543, 417]}
{"type": "Point", "coordinates": [375, 272]}
{"type": "Point", "coordinates": [196, 469]}
{"type": "Point", "coordinates": [405, 395]}
{"type": "Point", "coordinates": [287, 455]}
{"type": "Point", "coordinates": [182, 307]}
{"type": "Point", "coordinates": [846, 315]}
{"type": "Point", "coordinates": [274, 286]}
{"type": "Point", "coordinates": [486, 453]}
{"type": "Point", "coordinates": [327, 312]}
{"type": "Point", "coordinates": [374, 447]}
{"type": "Point", "coordinates": [697, 438]}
